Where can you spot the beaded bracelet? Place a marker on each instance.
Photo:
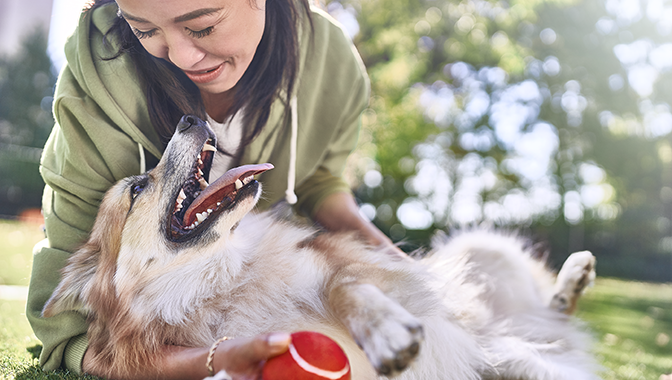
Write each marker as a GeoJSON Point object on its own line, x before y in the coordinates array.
{"type": "Point", "coordinates": [211, 355]}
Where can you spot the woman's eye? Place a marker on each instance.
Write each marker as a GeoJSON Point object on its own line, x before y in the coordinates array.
{"type": "Point", "coordinates": [200, 33]}
{"type": "Point", "coordinates": [140, 34]}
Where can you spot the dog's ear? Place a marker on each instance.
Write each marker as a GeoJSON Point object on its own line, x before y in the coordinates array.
{"type": "Point", "coordinates": [87, 282]}
{"type": "Point", "coordinates": [76, 282]}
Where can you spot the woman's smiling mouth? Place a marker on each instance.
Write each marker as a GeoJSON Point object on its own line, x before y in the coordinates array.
{"type": "Point", "coordinates": [205, 76]}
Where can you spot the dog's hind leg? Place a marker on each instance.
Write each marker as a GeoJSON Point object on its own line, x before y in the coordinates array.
{"type": "Point", "coordinates": [511, 281]}
{"type": "Point", "coordinates": [523, 336]}
{"type": "Point", "coordinates": [576, 274]}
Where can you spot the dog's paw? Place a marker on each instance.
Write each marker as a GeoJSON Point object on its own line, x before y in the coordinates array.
{"type": "Point", "coordinates": [388, 334]}
{"type": "Point", "coordinates": [576, 274]}
{"type": "Point", "coordinates": [392, 342]}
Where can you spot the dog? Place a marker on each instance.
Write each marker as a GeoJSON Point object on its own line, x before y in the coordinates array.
{"type": "Point", "coordinates": [173, 259]}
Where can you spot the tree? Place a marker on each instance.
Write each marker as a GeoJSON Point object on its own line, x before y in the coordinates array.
{"type": "Point", "coordinates": [528, 114]}
{"type": "Point", "coordinates": [26, 88]}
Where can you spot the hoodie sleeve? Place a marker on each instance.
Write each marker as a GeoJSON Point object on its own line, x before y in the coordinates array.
{"type": "Point", "coordinates": [334, 91]}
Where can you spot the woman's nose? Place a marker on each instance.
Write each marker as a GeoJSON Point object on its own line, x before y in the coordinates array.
{"type": "Point", "coordinates": [183, 52]}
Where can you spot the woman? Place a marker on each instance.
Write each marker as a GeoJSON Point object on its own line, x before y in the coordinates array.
{"type": "Point", "coordinates": [278, 81]}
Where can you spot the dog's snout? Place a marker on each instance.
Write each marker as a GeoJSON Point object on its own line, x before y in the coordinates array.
{"type": "Point", "coordinates": [187, 121]}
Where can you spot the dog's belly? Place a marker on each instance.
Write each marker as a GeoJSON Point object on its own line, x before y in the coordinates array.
{"type": "Point", "coordinates": [462, 358]}
{"type": "Point", "coordinates": [285, 303]}
{"type": "Point", "coordinates": [274, 293]}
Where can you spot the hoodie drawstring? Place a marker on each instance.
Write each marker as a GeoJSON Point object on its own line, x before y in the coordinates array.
{"type": "Point", "coordinates": [143, 165]}
{"type": "Point", "coordinates": [290, 195]}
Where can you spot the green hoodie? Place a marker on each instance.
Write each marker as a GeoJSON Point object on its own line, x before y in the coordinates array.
{"type": "Point", "coordinates": [102, 121]}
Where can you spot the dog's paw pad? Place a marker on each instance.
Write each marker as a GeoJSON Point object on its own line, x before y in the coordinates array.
{"type": "Point", "coordinates": [395, 344]}
{"type": "Point", "coordinates": [389, 335]}
{"type": "Point", "coordinates": [577, 273]}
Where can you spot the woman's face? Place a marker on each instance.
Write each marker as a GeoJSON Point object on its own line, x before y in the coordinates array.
{"type": "Point", "coordinates": [212, 41]}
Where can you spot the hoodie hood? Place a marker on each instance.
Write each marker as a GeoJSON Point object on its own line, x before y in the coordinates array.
{"type": "Point", "coordinates": [111, 83]}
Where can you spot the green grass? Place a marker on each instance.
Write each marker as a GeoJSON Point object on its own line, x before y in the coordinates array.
{"type": "Point", "coordinates": [631, 321]}
{"type": "Point", "coordinates": [16, 247]}
{"type": "Point", "coordinates": [19, 347]}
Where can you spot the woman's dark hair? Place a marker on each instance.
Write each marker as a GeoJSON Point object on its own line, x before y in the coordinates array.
{"type": "Point", "coordinates": [170, 94]}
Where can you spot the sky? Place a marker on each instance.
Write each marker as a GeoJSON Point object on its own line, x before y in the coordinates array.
{"type": "Point", "coordinates": [65, 15]}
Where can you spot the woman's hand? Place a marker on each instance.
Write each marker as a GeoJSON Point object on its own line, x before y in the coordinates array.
{"type": "Point", "coordinates": [241, 358]}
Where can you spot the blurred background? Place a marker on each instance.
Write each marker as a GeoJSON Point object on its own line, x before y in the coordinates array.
{"type": "Point", "coordinates": [548, 116]}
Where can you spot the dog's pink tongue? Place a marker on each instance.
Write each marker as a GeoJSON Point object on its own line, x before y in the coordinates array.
{"type": "Point", "coordinates": [220, 189]}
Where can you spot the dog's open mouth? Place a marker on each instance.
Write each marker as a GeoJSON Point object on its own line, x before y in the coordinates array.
{"type": "Point", "coordinates": [198, 202]}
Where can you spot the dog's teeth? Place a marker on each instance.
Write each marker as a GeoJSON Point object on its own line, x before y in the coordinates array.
{"type": "Point", "coordinates": [239, 184]}
{"type": "Point", "coordinates": [182, 196]}
{"type": "Point", "coordinates": [219, 204]}
{"type": "Point", "coordinates": [178, 207]}
{"type": "Point", "coordinates": [209, 148]}
{"type": "Point", "coordinates": [200, 172]}
{"type": "Point", "coordinates": [202, 182]}
{"type": "Point", "coordinates": [200, 162]}
{"type": "Point", "coordinates": [209, 211]}
{"type": "Point", "coordinates": [248, 180]}
{"type": "Point", "coordinates": [200, 217]}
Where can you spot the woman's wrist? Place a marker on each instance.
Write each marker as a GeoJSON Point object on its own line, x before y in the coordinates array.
{"type": "Point", "coordinates": [211, 355]}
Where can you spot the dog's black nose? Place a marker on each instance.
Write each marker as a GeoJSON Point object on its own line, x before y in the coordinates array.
{"type": "Point", "coordinates": [187, 121]}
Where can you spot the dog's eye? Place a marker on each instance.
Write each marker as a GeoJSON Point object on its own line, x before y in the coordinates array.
{"type": "Point", "coordinates": [137, 189]}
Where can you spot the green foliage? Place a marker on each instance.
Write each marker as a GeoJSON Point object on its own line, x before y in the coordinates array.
{"type": "Point", "coordinates": [26, 87]}
{"type": "Point", "coordinates": [526, 114]}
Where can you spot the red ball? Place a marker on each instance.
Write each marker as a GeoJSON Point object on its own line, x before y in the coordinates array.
{"type": "Point", "coordinates": [311, 356]}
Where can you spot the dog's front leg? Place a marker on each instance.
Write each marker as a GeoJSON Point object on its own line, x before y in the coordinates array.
{"type": "Point", "coordinates": [389, 335]}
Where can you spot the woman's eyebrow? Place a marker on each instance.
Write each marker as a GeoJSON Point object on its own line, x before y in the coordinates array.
{"type": "Point", "coordinates": [127, 16]}
{"type": "Point", "coordinates": [185, 17]}
{"type": "Point", "coordinates": [196, 14]}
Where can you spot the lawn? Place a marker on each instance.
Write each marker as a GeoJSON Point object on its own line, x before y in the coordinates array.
{"type": "Point", "coordinates": [631, 321]}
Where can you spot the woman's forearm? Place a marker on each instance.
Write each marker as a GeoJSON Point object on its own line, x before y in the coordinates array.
{"type": "Point", "coordinates": [241, 358]}
{"type": "Point", "coordinates": [173, 362]}
{"type": "Point", "coordinates": [339, 212]}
